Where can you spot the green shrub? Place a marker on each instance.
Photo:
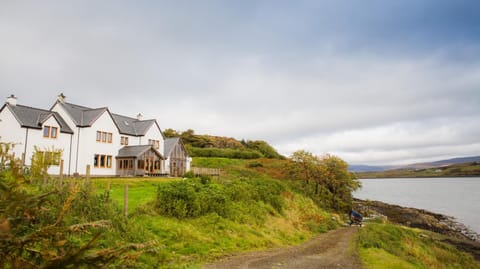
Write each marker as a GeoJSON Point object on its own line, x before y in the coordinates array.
{"type": "Point", "coordinates": [224, 153]}
{"type": "Point", "coordinates": [239, 199]}
{"type": "Point", "coordinates": [190, 198]}
{"type": "Point", "coordinates": [189, 174]}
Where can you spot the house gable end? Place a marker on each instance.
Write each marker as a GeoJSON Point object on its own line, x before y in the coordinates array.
{"type": "Point", "coordinates": [30, 117]}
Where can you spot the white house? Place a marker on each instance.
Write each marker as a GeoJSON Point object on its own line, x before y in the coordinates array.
{"type": "Point", "coordinates": [29, 127]}
{"type": "Point", "coordinates": [110, 144]}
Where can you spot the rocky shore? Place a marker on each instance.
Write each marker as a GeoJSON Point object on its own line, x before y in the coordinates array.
{"type": "Point", "coordinates": [456, 233]}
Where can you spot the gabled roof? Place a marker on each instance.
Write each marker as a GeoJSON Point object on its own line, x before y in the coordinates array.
{"type": "Point", "coordinates": [83, 116]}
{"type": "Point", "coordinates": [132, 126]}
{"type": "Point", "coordinates": [30, 117]}
{"type": "Point", "coordinates": [136, 151]}
{"type": "Point", "coordinates": [170, 143]}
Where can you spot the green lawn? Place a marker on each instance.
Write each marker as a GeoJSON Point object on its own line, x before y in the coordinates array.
{"type": "Point", "coordinates": [140, 190]}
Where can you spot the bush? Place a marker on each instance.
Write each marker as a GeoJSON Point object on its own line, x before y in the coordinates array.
{"type": "Point", "coordinates": [190, 198]}
{"type": "Point", "coordinates": [240, 199]}
{"type": "Point", "coordinates": [264, 148]}
{"type": "Point", "coordinates": [224, 153]}
{"type": "Point", "coordinates": [189, 174]}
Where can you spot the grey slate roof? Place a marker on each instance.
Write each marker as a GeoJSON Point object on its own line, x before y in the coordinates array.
{"type": "Point", "coordinates": [135, 151]}
{"type": "Point", "coordinates": [132, 126]}
{"type": "Point", "coordinates": [31, 117]}
{"type": "Point", "coordinates": [170, 144]}
{"type": "Point", "coordinates": [83, 116]}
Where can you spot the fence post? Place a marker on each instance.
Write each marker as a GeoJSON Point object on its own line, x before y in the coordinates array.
{"type": "Point", "coordinates": [60, 176]}
{"type": "Point", "coordinates": [87, 175]}
{"type": "Point", "coordinates": [125, 200]}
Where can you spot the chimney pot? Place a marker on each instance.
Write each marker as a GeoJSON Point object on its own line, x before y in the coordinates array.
{"type": "Point", "coordinates": [12, 100]}
{"type": "Point", "coordinates": [139, 116]}
{"type": "Point", "coordinates": [61, 98]}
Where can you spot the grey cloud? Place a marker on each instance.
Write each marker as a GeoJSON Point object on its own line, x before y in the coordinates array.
{"type": "Point", "coordinates": [295, 75]}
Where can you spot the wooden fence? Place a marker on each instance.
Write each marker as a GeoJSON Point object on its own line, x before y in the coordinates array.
{"type": "Point", "coordinates": [198, 171]}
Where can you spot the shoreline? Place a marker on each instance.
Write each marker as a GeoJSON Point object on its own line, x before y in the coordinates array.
{"type": "Point", "coordinates": [458, 233]}
{"type": "Point", "coordinates": [417, 218]}
{"type": "Point", "coordinates": [422, 177]}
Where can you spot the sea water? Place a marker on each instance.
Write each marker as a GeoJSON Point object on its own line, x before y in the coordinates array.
{"type": "Point", "coordinates": [458, 197]}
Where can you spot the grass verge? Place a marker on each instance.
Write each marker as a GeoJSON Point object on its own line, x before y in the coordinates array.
{"type": "Point", "coordinates": [393, 246]}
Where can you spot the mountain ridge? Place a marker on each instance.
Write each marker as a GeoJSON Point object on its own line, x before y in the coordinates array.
{"type": "Point", "coordinates": [420, 165]}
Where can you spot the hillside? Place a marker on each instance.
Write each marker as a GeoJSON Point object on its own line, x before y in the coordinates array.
{"type": "Point", "coordinates": [184, 223]}
{"type": "Point", "coordinates": [424, 165]}
{"type": "Point", "coordinates": [454, 170]}
{"type": "Point", "coordinates": [224, 147]}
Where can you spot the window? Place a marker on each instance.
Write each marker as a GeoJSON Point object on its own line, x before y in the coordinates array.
{"type": "Point", "coordinates": [53, 132]}
{"type": "Point", "coordinates": [104, 137]}
{"type": "Point", "coordinates": [48, 157]}
{"type": "Point", "coordinates": [124, 140]}
{"type": "Point", "coordinates": [46, 131]}
{"type": "Point", "coordinates": [102, 161]}
{"type": "Point", "coordinates": [126, 164]}
{"type": "Point", "coordinates": [50, 132]}
{"type": "Point", "coordinates": [154, 143]}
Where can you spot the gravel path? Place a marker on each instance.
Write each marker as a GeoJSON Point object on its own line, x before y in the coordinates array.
{"type": "Point", "coordinates": [328, 250]}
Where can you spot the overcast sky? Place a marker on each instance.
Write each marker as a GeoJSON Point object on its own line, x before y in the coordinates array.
{"type": "Point", "coordinates": [372, 81]}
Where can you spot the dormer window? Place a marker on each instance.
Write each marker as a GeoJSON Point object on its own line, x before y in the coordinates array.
{"type": "Point", "coordinates": [50, 132]}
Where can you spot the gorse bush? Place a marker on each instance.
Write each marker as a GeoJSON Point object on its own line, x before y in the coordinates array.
{"type": "Point", "coordinates": [224, 153]}
{"type": "Point", "coordinates": [58, 227]}
{"type": "Point", "coordinates": [244, 200]}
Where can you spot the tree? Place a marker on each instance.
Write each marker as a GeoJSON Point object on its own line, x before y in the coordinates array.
{"type": "Point", "coordinates": [170, 133]}
{"type": "Point", "coordinates": [339, 181]}
{"type": "Point", "coordinates": [333, 183]}
{"type": "Point", "coordinates": [304, 164]}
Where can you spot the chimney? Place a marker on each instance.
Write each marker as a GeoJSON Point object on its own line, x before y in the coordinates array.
{"type": "Point", "coordinates": [12, 100]}
{"type": "Point", "coordinates": [139, 116]}
{"type": "Point", "coordinates": [61, 98]}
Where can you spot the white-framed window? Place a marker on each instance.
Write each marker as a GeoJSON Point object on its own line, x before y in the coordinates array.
{"type": "Point", "coordinates": [124, 140]}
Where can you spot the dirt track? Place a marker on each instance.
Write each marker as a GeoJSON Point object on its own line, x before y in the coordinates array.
{"type": "Point", "coordinates": [329, 250]}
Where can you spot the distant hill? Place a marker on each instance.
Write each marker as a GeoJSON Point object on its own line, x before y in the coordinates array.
{"type": "Point", "coordinates": [366, 168]}
{"type": "Point", "coordinates": [442, 163]}
{"type": "Point", "coordinates": [426, 165]}
{"type": "Point", "coordinates": [221, 146]}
